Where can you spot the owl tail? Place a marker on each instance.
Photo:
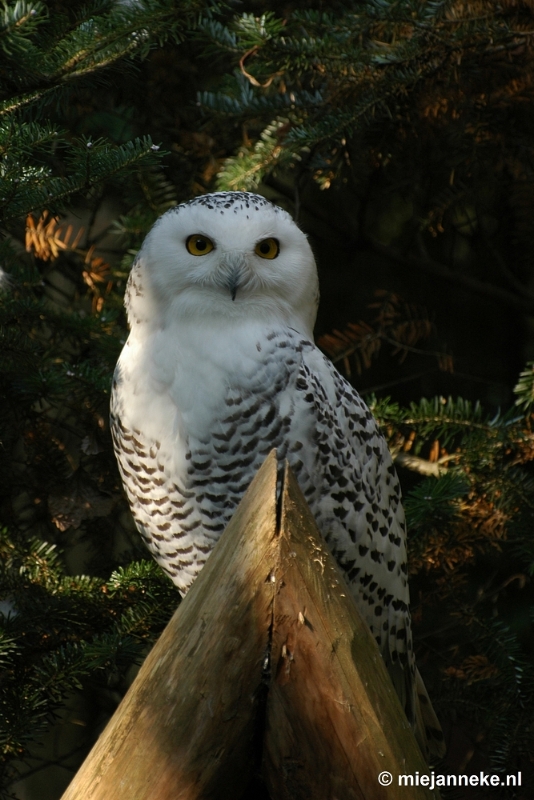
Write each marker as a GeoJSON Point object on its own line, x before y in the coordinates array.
{"type": "Point", "coordinates": [426, 725]}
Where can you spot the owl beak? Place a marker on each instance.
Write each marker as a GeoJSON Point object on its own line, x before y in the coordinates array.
{"type": "Point", "coordinates": [234, 280]}
{"type": "Point", "coordinates": [233, 272]}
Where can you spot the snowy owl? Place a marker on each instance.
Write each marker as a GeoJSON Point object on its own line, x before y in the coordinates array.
{"type": "Point", "coordinates": [219, 368]}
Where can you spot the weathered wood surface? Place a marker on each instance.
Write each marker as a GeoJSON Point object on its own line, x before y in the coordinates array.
{"type": "Point", "coordinates": [185, 728]}
{"type": "Point", "coordinates": [334, 722]}
{"type": "Point", "coordinates": [192, 723]}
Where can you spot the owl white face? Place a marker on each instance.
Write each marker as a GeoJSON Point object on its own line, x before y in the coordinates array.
{"type": "Point", "coordinates": [230, 255]}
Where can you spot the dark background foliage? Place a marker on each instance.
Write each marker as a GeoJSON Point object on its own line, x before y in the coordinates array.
{"type": "Point", "coordinates": [399, 135]}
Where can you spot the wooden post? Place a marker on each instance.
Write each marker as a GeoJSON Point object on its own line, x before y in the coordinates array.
{"type": "Point", "coordinates": [190, 725]}
{"type": "Point", "coordinates": [185, 728]}
{"type": "Point", "coordinates": [334, 722]}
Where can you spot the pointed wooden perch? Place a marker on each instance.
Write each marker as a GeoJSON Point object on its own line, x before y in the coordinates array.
{"type": "Point", "coordinates": [204, 710]}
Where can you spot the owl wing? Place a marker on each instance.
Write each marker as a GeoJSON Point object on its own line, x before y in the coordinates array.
{"type": "Point", "coordinates": [349, 479]}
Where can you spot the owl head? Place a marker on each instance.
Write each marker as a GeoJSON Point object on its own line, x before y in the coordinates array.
{"type": "Point", "coordinates": [227, 255]}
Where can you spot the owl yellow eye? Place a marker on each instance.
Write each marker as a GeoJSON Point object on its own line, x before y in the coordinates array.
{"type": "Point", "coordinates": [267, 248]}
{"type": "Point", "coordinates": [199, 245]}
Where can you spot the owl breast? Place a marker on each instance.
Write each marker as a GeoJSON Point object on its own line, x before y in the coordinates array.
{"type": "Point", "coordinates": [191, 428]}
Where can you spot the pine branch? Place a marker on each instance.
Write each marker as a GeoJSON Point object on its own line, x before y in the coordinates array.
{"type": "Point", "coordinates": [245, 171]}
{"type": "Point", "coordinates": [64, 629]}
{"type": "Point", "coordinates": [524, 389]}
{"type": "Point", "coordinates": [91, 163]}
{"type": "Point", "coordinates": [396, 322]}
